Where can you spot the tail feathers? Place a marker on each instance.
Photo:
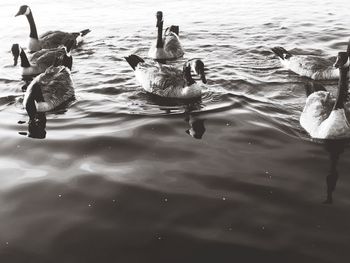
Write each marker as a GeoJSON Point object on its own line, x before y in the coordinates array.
{"type": "Point", "coordinates": [134, 60]}
{"type": "Point", "coordinates": [84, 32]}
{"type": "Point", "coordinates": [281, 52]}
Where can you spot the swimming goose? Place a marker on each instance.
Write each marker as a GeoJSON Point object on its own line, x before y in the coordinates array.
{"type": "Point", "coordinates": [323, 118]}
{"type": "Point", "coordinates": [168, 47]}
{"type": "Point", "coordinates": [313, 67]}
{"type": "Point", "coordinates": [50, 39]}
{"type": "Point", "coordinates": [168, 81]}
{"type": "Point", "coordinates": [40, 60]}
{"type": "Point", "coordinates": [50, 89]}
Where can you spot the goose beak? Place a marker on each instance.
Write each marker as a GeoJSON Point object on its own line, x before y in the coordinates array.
{"type": "Point", "coordinates": [18, 13]}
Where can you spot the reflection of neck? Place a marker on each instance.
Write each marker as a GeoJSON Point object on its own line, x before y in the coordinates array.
{"type": "Point", "coordinates": [342, 88]}
{"type": "Point", "coordinates": [160, 36]}
{"type": "Point", "coordinates": [335, 149]}
{"type": "Point", "coordinates": [33, 32]}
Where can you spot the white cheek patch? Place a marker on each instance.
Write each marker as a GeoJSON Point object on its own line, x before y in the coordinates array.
{"type": "Point", "coordinates": [347, 63]}
{"type": "Point", "coordinates": [27, 11]}
{"type": "Point", "coordinates": [193, 66]}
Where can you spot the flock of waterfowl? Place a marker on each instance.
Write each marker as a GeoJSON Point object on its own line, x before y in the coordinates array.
{"type": "Point", "coordinates": [50, 64]}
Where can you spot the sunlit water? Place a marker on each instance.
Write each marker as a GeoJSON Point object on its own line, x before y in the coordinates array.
{"type": "Point", "coordinates": [119, 178]}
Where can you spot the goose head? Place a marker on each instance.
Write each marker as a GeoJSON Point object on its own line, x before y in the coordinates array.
{"type": "Point", "coordinates": [342, 60]}
{"type": "Point", "coordinates": [16, 50]}
{"type": "Point", "coordinates": [159, 16]}
{"type": "Point", "coordinates": [197, 66]}
{"type": "Point", "coordinates": [23, 10]}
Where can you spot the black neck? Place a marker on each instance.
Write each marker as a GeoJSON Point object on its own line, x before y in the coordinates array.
{"type": "Point", "coordinates": [33, 32]}
{"type": "Point", "coordinates": [342, 88]}
{"type": "Point", "coordinates": [24, 60]}
{"type": "Point", "coordinates": [160, 35]}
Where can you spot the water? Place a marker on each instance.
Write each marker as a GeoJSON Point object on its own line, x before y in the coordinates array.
{"type": "Point", "coordinates": [121, 176]}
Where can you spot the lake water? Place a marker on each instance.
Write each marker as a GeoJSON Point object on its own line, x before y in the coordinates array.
{"type": "Point", "coordinates": [122, 176]}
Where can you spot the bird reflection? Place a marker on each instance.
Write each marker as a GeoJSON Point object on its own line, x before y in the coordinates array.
{"type": "Point", "coordinates": [197, 128]}
{"type": "Point", "coordinates": [196, 124]}
{"type": "Point", "coordinates": [190, 107]}
{"type": "Point", "coordinates": [36, 127]}
{"type": "Point", "coordinates": [335, 148]}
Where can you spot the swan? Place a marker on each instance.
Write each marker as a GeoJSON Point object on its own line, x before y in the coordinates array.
{"type": "Point", "coordinates": [168, 47]}
{"type": "Point", "coordinates": [50, 89]}
{"type": "Point", "coordinates": [50, 39]}
{"type": "Point", "coordinates": [168, 81]}
{"type": "Point", "coordinates": [40, 60]}
{"type": "Point", "coordinates": [323, 118]}
{"type": "Point", "coordinates": [310, 66]}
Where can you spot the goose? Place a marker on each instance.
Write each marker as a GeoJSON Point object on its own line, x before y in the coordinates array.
{"type": "Point", "coordinates": [313, 67]}
{"type": "Point", "coordinates": [40, 60]}
{"type": "Point", "coordinates": [168, 47]}
{"type": "Point", "coordinates": [323, 118]}
{"type": "Point", "coordinates": [50, 89]}
{"type": "Point", "coordinates": [50, 39]}
{"type": "Point", "coordinates": [168, 81]}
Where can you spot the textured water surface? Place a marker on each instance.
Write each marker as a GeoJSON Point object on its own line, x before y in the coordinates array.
{"type": "Point", "coordinates": [122, 176]}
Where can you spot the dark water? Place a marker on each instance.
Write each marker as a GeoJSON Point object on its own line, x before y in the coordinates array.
{"type": "Point", "coordinates": [124, 177]}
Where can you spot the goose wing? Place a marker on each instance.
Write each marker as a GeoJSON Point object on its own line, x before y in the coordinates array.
{"type": "Point", "coordinates": [46, 59]}
{"type": "Point", "coordinates": [56, 85]}
{"type": "Point", "coordinates": [317, 108]}
{"type": "Point", "coordinates": [312, 66]}
{"type": "Point", "coordinates": [313, 63]}
{"type": "Point", "coordinates": [37, 55]}
{"type": "Point", "coordinates": [53, 39]}
{"type": "Point", "coordinates": [162, 80]}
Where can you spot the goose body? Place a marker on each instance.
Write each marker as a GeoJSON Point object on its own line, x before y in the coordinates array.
{"type": "Point", "coordinates": [165, 80]}
{"type": "Point", "coordinates": [313, 67]}
{"type": "Point", "coordinates": [49, 90]}
{"type": "Point", "coordinates": [169, 46]}
{"type": "Point", "coordinates": [40, 60]}
{"type": "Point", "coordinates": [50, 39]}
{"type": "Point", "coordinates": [324, 117]}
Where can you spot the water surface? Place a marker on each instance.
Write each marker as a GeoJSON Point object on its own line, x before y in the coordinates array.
{"type": "Point", "coordinates": [122, 176]}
